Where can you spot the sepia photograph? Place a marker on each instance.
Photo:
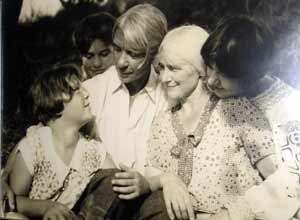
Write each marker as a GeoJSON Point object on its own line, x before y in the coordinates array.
{"type": "Point", "coordinates": [150, 110]}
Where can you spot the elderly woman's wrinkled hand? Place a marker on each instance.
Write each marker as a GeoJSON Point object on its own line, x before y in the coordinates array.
{"type": "Point", "coordinates": [130, 184]}
{"type": "Point", "coordinates": [177, 197]}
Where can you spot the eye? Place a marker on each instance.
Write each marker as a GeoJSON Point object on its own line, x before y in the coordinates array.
{"type": "Point", "coordinates": [174, 68]}
{"type": "Point", "coordinates": [136, 55]}
{"type": "Point", "coordinates": [105, 53]}
{"type": "Point", "coordinates": [89, 56]}
{"type": "Point", "coordinates": [159, 67]}
{"type": "Point", "coordinates": [116, 48]}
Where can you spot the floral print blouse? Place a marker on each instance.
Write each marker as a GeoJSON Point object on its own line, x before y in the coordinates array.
{"type": "Point", "coordinates": [235, 138]}
{"type": "Point", "coordinates": [52, 179]}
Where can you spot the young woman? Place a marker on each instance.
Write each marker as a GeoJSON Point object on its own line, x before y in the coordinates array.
{"type": "Point", "coordinates": [239, 57]}
{"type": "Point", "coordinates": [93, 38]}
{"type": "Point", "coordinates": [54, 162]}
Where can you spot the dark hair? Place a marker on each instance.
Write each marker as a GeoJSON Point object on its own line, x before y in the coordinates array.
{"type": "Point", "coordinates": [239, 48]}
{"type": "Point", "coordinates": [52, 88]}
{"type": "Point", "coordinates": [95, 26]}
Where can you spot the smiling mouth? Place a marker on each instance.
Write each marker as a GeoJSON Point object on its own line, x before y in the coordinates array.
{"type": "Point", "coordinates": [98, 71]}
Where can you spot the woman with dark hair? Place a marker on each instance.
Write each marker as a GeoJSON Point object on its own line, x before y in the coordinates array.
{"type": "Point", "coordinates": [239, 55]}
{"type": "Point", "coordinates": [93, 39]}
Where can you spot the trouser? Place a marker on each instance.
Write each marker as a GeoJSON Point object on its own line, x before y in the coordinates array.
{"type": "Point", "coordinates": [100, 202]}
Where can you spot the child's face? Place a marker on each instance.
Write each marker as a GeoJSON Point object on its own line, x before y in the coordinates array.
{"type": "Point", "coordinates": [222, 86]}
{"type": "Point", "coordinates": [98, 59]}
{"type": "Point", "coordinates": [77, 110]}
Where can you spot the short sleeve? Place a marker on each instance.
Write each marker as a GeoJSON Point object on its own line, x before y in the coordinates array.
{"type": "Point", "coordinates": [256, 133]}
{"type": "Point", "coordinates": [27, 149]}
{"type": "Point", "coordinates": [92, 156]}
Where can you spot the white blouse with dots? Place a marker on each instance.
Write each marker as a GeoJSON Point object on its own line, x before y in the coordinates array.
{"type": "Point", "coordinates": [235, 138]}
{"type": "Point", "coordinates": [52, 179]}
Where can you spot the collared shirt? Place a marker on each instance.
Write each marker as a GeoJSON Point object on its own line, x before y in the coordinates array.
{"type": "Point", "coordinates": [52, 179]}
{"type": "Point", "coordinates": [122, 121]}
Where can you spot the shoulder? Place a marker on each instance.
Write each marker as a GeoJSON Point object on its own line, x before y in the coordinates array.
{"type": "Point", "coordinates": [92, 146]}
{"type": "Point", "coordinates": [279, 93]}
{"type": "Point", "coordinates": [240, 111]}
{"type": "Point", "coordinates": [99, 79]}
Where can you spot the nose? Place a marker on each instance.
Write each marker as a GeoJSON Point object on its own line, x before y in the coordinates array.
{"type": "Point", "coordinates": [97, 62]}
{"type": "Point", "coordinates": [122, 61]}
{"type": "Point", "coordinates": [85, 93]}
{"type": "Point", "coordinates": [165, 75]}
{"type": "Point", "coordinates": [212, 80]}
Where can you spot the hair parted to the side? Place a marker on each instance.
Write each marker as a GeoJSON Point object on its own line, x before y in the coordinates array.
{"type": "Point", "coordinates": [95, 26]}
{"type": "Point", "coordinates": [52, 88]}
{"type": "Point", "coordinates": [240, 48]}
{"type": "Point", "coordinates": [143, 27]}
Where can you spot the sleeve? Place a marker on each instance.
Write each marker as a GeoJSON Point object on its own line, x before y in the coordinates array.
{"type": "Point", "coordinates": [95, 155]}
{"type": "Point", "coordinates": [27, 149]}
{"type": "Point", "coordinates": [276, 205]}
{"type": "Point", "coordinates": [255, 133]}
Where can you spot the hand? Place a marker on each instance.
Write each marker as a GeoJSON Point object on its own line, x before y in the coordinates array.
{"type": "Point", "coordinates": [177, 197]}
{"type": "Point", "coordinates": [130, 184]}
{"type": "Point", "coordinates": [58, 211]}
{"type": "Point", "coordinates": [6, 194]}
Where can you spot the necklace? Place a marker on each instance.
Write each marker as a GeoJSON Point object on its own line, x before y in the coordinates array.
{"type": "Point", "coordinates": [186, 143]}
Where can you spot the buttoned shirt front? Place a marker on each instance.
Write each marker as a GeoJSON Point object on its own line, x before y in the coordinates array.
{"type": "Point", "coordinates": [122, 121]}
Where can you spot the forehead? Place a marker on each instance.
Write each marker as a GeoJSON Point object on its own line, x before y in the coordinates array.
{"type": "Point", "coordinates": [129, 40]}
{"type": "Point", "coordinates": [98, 45]}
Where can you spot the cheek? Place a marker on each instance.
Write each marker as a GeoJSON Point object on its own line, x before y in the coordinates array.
{"type": "Point", "coordinates": [86, 62]}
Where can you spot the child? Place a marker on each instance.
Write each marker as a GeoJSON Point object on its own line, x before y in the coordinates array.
{"type": "Point", "coordinates": [55, 162]}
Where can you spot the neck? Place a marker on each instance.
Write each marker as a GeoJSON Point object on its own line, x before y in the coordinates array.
{"type": "Point", "coordinates": [192, 108]}
{"type": "Point", "coordinates": [139, 84]}
{"type": "Point", "coordinates": [197, 99]}
{"type": "Point", "coordinates": [64, 135]}
{"type": "Point", "coordinates": [260, 86]}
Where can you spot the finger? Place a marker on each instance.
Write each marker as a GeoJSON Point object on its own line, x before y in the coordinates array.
{"type": "Point", "coordinates": [61, 216]}
{"type": "Point", "coordinates": [169, 208]}
{"type": "Point", "coordinates": [190, 210]}
{"type": "Point", "coordinates": [128, 196]}
{"type": "Point", "coordinates": [176, 209]}
{"type": "Point", "coordinates": [11, 200]}
{"type": "Point", "coordinates": [123, 182]}
{"type": "Point", "coordinates": [124, 190]}
{"type": "Point", "coordinates": [125, 168]}
{"type": "Point", "coordinates": [184, 204]}
{"type": "Point", "coordinates": [125, 175]}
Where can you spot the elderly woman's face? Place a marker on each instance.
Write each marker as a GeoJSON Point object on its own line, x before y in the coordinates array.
{"type": "Point", "coordinates": [132, 64]}
{"type": "Point", "coordinates": [179, 78]}
{"type": "Point", "coordinates": [222, 86]}
{"type": "Point", "coordinates": [98, 58]}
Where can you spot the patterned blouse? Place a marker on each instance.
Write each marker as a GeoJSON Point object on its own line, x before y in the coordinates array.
{"type": "Point", "coordinates": [235, 137]}
{"type": "Point", "coordinates": [52, 179]}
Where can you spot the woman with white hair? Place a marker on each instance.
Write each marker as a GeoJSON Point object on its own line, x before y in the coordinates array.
{"type": "Point", "coordinates": [204, 152]}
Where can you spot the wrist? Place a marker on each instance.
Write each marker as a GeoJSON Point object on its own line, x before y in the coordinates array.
{"type": "Point", "coordinates": [46, 205]}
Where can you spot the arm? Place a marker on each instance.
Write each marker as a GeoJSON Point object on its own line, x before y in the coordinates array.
{"type": "Point", "coordinates": [176, 195]}
{"type": "Point", "coordinates": [6, 192]}
{"type": "Point", "coordinates": [21, 179]}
